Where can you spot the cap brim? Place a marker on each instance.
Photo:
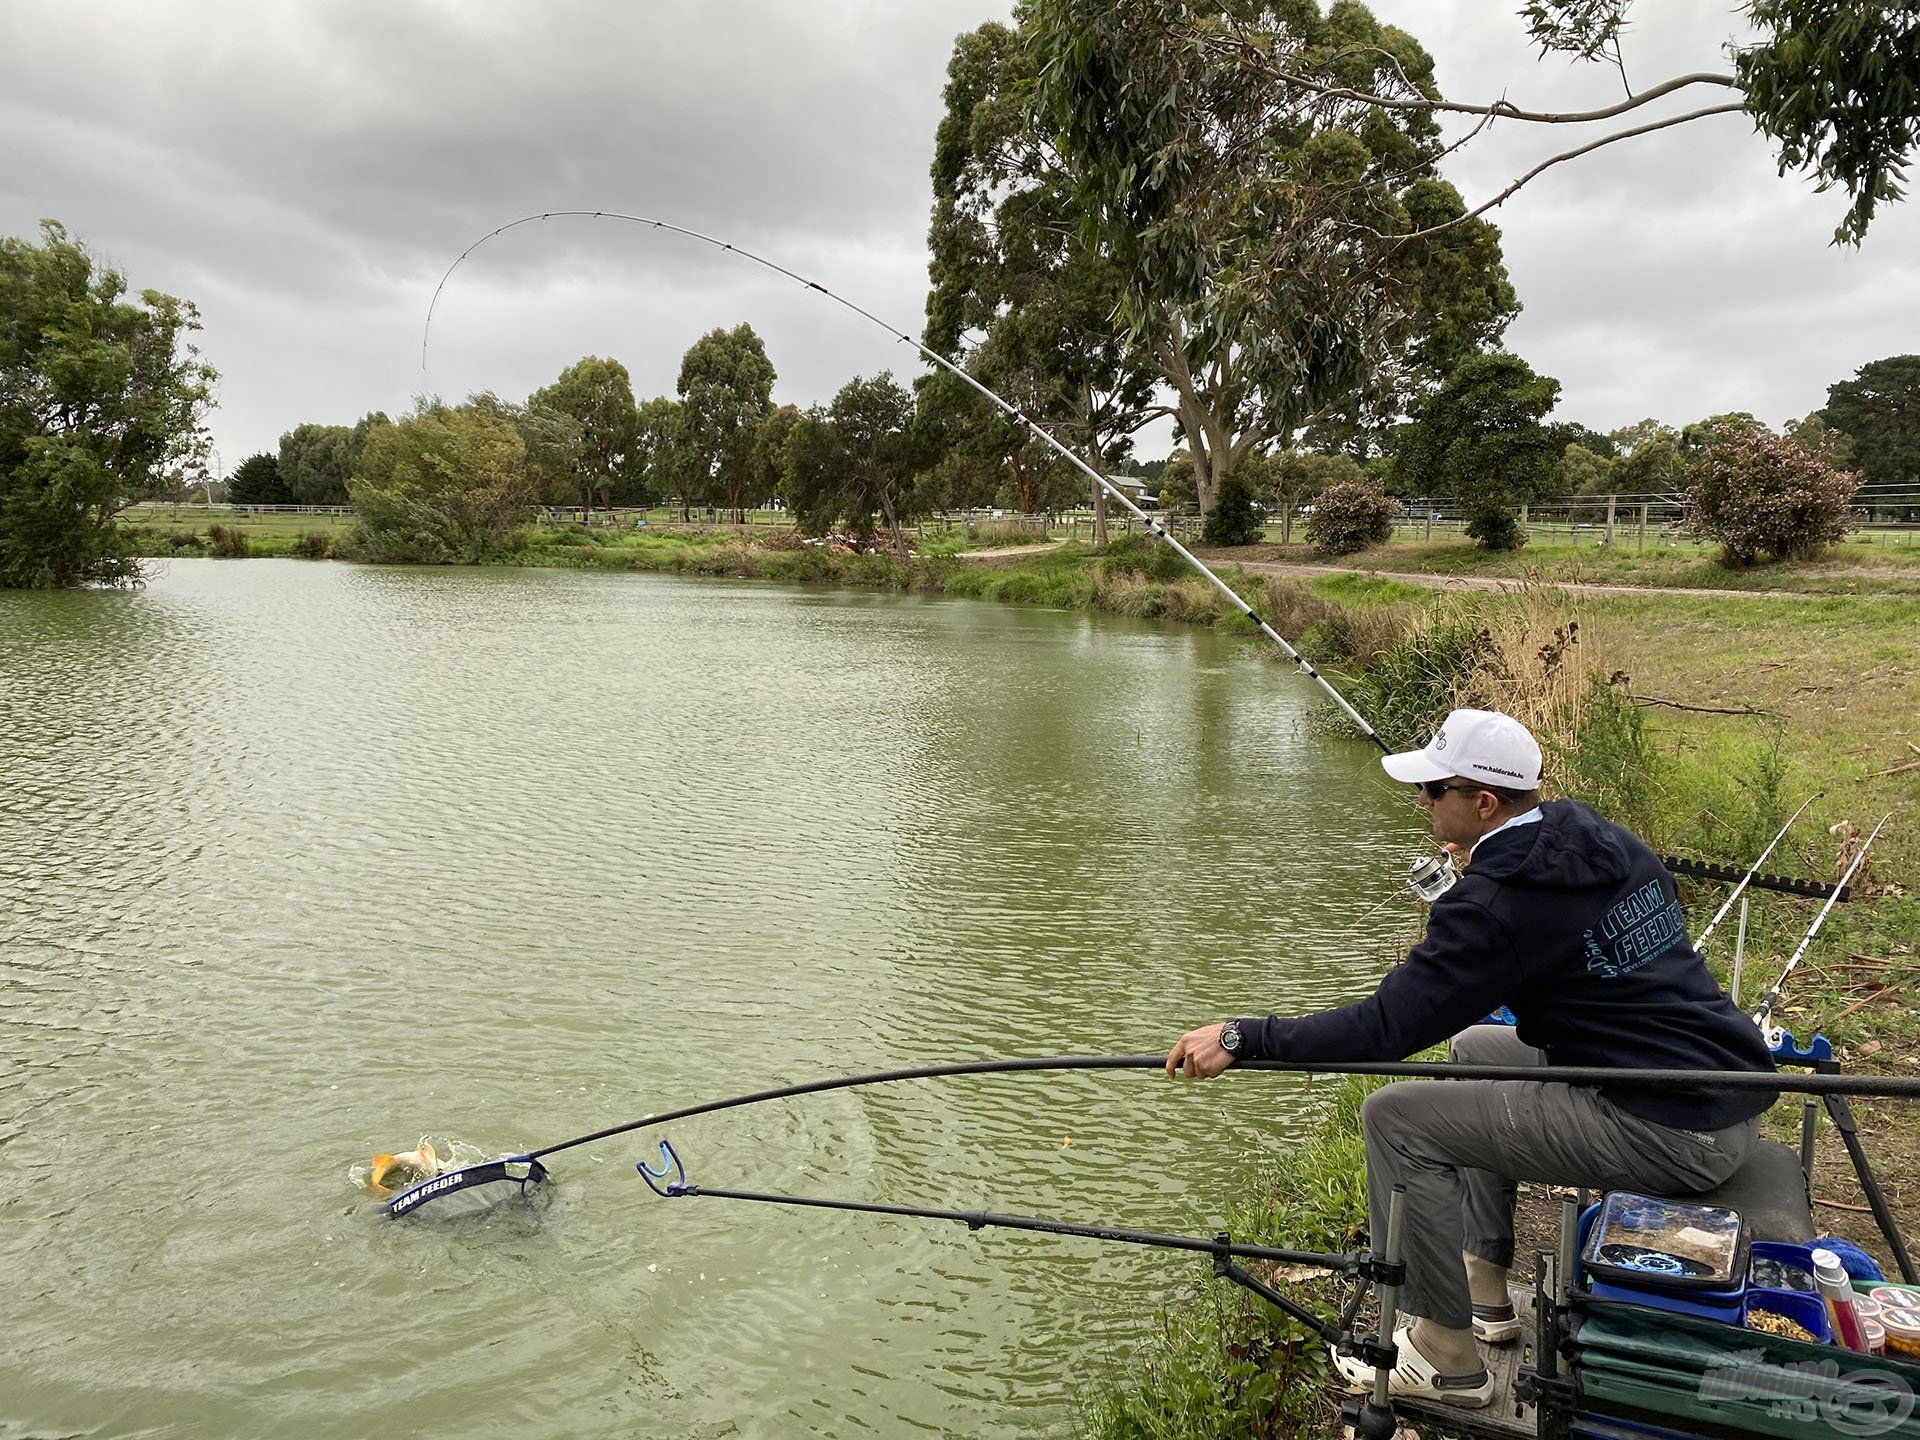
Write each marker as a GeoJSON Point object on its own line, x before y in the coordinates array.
{"type": "Point", "coordinates": [1414, 766]}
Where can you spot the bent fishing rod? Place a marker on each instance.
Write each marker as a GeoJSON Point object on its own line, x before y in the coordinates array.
{"type": "Point", "coordinates": [526, 1170]}
{"type": "Point", "coordinates": [1764, 1013]}
{"type": "Point", "coordinates": [1107, 486]}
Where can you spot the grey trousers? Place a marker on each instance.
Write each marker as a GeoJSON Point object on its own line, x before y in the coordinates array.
{"type": "Point", "coordinates": [1460, 1146]}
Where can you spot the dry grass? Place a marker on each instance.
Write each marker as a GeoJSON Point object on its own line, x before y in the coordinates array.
{"type": "Point", "coordinates": [1536, 663]}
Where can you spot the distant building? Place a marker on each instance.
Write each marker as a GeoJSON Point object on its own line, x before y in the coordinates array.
{"type": "Point", "coordinates": [1135, 489]}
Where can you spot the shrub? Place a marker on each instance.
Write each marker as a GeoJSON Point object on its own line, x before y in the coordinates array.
{"type": "Point", "coordinates": [184, 542]}
{"type": "Point", "coordinates": [1757, 494]}
{"type": "Point", "coordinates": [1143, 555]}
{"type": "Point", "coordinates": [1234, 519]}
{"type": "Point", "coordinates": [1350, 516]}
{"type": "Point", "coordinates": [228, 541]}
{"type": "Point", "coordinates": [1495, 525]}
{"type": "Point", "coordinates": [312, 545]}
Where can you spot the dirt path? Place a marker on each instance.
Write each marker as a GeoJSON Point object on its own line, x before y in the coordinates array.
{"type": "Point", "coordinates": [1499, 582]}
{"type": "Point", "coordinates": [1010, 550]}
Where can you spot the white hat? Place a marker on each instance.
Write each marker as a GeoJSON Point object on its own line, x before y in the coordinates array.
{"type": "Point", "coordinates": [1481, 745]}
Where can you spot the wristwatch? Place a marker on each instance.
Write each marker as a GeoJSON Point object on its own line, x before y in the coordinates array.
{"type": "Point", "coordinates": [1231, 1039]}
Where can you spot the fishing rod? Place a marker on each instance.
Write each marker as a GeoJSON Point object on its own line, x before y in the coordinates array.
{"type": "Point", "coordinates": [1384, 1269]}
{"type": "Point", "coordinates": [1107, 486]}
{"type": "Point", "coordinates": [1762, 1015]}
{"type": "Point", "coordinates": [525, 1170]}
{"type": "Point", "coordinates": [1753, 870]}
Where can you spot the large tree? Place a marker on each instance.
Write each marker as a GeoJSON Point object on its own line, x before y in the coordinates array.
{"type": "Point", "coordinates": [726, 390]}
{"type": "Point", "coordinates": [1879, 411]}
{"type": "Point", "coordinates": [1263, 234]}
{"type": "Point", "coordinates": [318, 462]}
{"type": "Point", "coordinates": [1019, 294]}
{"type": "Point", "coordinates": [597, 395]}
{"type": "Point", "coordinates": [446, 485]}
{"type": "Point", "coordinates": [101, 401]}
{"type": "Point", "coordinates": [1480, 438]}
{"type": "Point", "coordinates": [856, 457]}
{"type": "Point", "coordinates": [1829, 81]}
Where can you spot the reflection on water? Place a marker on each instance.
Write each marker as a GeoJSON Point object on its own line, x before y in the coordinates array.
{"type": "Point", "coordinates": [298, 861]}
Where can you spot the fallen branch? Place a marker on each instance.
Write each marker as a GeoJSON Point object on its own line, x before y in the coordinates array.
{"type": "Point", "coordinates": [1707, 709]}
{"type": "Point", "coordinates": [1862, 1003]}
{"type": "Point", "coordinates": [1893, 769]}
{"type": "Point", "coordinates": [1842, 1205]}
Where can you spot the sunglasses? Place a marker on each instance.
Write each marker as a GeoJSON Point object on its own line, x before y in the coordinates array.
{"type": "Point", "coordinates": [1434, 789]}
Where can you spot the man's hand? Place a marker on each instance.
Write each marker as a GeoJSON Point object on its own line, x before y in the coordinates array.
{"type": "Point", "coordinates": [1199, 1053]}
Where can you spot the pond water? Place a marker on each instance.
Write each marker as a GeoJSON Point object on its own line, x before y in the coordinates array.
{"type": "Point", "coordinates": [300, 862]}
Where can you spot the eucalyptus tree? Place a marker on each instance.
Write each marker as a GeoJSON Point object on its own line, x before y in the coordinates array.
{"type": "Point", "coordinates": [101, 404]}
{"type": "Point", "coordinates": [597, 394]}
{"type": "Point", "coordinates": [1284, 255]}
{"type": "Point", "coordinates": [726, 390]}
{"type": "Point", "coordinates": [853, 458]}
{"type": "Point", "coordinates": [1021, 296]}
{"type": "Point", "coordinates": [662, 457]}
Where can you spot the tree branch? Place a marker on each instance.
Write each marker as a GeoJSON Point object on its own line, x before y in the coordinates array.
{"type": "Point", "coordinates": [1503, 109]}
{"type": "Point", "coordinates": [1544, 165]}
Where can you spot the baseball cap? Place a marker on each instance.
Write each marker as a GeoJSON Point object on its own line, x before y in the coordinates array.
{"type": "Point", "coordinates": [1479, 745]}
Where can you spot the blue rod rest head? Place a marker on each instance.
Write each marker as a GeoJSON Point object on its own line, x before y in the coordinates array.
{"type": "Point", "coordinates": [1817, 1052]}
{"type": "Point", "coordinates": [670, 1179]}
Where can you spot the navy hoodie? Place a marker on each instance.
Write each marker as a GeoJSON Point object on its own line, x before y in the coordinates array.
{"type": "Point", "coordinates": [1575, 925]}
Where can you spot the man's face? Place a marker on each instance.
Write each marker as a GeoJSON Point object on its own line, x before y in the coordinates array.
{"type": "Point", "coordinates": [1460, 811]}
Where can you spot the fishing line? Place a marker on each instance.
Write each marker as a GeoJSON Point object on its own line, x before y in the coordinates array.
{"type": "Point", "coordinates": [1153, 526]}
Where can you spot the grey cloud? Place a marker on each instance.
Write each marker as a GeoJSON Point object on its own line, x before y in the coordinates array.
{"type": "Point", "coordinates": [306, 172]}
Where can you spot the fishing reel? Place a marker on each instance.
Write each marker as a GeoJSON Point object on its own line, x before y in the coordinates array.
{"type": "Point", "coordinates": [1431, 876]}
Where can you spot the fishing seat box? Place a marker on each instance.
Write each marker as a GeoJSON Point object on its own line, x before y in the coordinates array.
{"type": "Point", "coordinates": [1655, 1368]}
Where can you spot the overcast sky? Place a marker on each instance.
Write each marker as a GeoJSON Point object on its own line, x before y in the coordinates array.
{"type": "Point", "coordinates": [305, 172]}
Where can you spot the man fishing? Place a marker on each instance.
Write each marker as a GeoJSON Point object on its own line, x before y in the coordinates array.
{"type": "Point", "coordinates": [1572, 923]}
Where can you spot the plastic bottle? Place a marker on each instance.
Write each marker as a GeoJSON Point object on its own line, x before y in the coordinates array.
{"type": "Point", "coordinates": [1837, 1293]}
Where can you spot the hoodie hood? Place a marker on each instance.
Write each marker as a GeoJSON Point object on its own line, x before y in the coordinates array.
{"type": "Point", "coordinates": [1570, 849]}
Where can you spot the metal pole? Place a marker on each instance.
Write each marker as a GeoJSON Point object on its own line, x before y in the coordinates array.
{"type": "Point", "coordinates": [1389, 1296]}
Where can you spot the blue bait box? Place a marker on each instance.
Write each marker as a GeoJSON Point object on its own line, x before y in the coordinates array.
{"type": "Point", "coordinates": [1622, 1256]}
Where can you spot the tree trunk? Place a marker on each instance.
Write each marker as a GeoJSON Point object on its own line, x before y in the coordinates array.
{"type": "Point", "coordinates": [893, 523]}
{"type": "Point", "coordinates": [1099, 516]}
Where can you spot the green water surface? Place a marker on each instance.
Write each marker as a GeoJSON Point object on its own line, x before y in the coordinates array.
{"type": "Point", "coordinates": [303, 861]}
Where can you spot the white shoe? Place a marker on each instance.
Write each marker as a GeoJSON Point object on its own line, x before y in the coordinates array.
{"type": "Point", "coordinates": [1414, 1377]}
{"type": "Point", "coordinates": [1497, 1330]}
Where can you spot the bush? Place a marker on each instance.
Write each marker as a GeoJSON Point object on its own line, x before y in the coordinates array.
{"type": "Point", "coordinates": [1759, 495]}
{"type": "Point", "coordinates": [1494, 524]}
{"type": "Point", "coordinates": [1143, 555]}
{"type": "Point", "coordinates": [1350, 516]}
{"type": "Point", "coordinates": [312, 545]}
{"type": "Point", "coordinates": [228, 541]}
{"type": "Point", "coordinates": [1234, 519]}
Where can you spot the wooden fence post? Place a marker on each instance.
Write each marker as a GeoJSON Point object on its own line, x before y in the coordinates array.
{"type": "Point", "coordinates": [1643, 527]}
{"type": "Point", "coordinates": [1611, 501]}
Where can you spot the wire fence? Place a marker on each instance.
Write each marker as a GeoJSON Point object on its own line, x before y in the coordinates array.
{"type": "Point", "coordinates": [1882, 514]}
